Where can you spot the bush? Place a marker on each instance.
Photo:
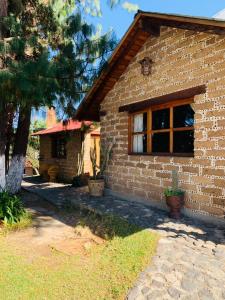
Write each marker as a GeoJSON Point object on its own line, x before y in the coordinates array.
{"type": "Point", "coordinates": [80, 180]}
{"type": "Point", "coordinates": [11, 208]}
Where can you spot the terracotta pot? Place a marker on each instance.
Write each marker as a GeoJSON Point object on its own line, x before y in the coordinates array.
{"type": "Point", "coordinates": [175, 204]}
{"type": "Point", "coordinates": [96, 187]}
{"type": "Point", "coordinates": [53, 172]}
{"type": "Point", "coordinates": [43, 170]}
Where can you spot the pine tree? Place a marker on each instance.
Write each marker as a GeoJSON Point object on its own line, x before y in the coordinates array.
{"type": "Point", "coordinates": [45, 57]}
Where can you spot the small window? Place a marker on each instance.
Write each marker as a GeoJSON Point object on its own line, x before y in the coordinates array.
{"type": "Point", "coordinates": [139, 140]}
{"type": "Point", "coordinates": [163, 129]}
{"type": "Point", "coordinates": [58, 147]}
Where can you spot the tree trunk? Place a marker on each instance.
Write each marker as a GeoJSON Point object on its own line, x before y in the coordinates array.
{"type": "Point", "coordinates": [16, 168]}
{"type": "Point", "coordinates": [2, 165]}
{"type": "Point", "coordinates": [3, 125]}
{"type": "Point", "coordinates": [3, 118]}
{"type": "Point", "coordinates": [4, 8]}
{"type": "Point", "coordinates": [9, 139]}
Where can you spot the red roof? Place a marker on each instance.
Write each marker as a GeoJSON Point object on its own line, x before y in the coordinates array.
{"type": "Point", "coordinates": [70, 125]}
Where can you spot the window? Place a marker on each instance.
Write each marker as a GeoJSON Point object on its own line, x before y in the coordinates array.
{"type": "Point", "coordinates": [166, 129]}
{"type": "Point", "coordinates": [58, 147]}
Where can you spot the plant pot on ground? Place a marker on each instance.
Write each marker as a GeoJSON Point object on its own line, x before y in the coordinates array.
{"type": "Point", "coordinates": [96, 186]}
{"type": "Point", "coordinates": [174, 198]}
{"type": "Point", "coordinates": [96, 183]}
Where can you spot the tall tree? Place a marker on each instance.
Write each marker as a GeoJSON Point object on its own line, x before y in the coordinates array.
{"type": "Point", "coordinates": [15, 172]}
{"type": "Point", "coordinates": [3, 119]}
{"type": "Point", "coordinates": [46, 58]}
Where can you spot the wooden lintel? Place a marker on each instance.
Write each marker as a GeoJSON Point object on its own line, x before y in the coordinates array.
{"type": "Point", "coordinates": [183, 94]}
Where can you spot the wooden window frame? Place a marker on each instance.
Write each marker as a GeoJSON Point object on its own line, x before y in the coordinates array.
{"type": "Point", "coordinates": [55, 150]}
{"type": "Point", "coordinates": [150, 131]}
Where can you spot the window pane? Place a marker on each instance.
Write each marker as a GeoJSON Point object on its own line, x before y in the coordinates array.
{"type": "Point", "coordinates": [140, 122]}
{"type": "Point", "coordinates": [161, 142]}
{"type": "Point", "coordinates": [161, 119]}
{"type": "Point", "coordinates": [183, 141]}
{"type": "Point", "coordinates": [183, 116]}
{"type": "Point", "coordinates": [140, 143]}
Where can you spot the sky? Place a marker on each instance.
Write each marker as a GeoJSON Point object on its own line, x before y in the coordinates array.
{"type": "Point", "coordinates": [119, 19]}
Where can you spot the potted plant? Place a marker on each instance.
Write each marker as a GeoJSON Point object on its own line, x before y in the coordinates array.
{"type": "Point", "coordinates": [174, 197]}
{"type": "Point", "coordinates": [96, 183]}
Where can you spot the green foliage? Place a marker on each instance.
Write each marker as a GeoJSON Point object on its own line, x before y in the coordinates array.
{"type": "Point", "coordinates": [24, 222]}
{"type": "Point", "coordinates": [11, 208]}
{"type": "Point", "coordinates": [171, 192]}
{"type": "Point", "coordinates": [38, 125]}
{"type": "Point", "coordinates": [174, 191]}
{"type": "Point", "coordinates": [51, 58]}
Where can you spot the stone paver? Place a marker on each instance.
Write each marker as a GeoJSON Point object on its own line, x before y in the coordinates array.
{"type": "Point", "coordinates": [190, 259]}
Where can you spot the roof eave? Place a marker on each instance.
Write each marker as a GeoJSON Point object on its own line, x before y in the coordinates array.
{"type": "Point", "coordinates": [198, 23]}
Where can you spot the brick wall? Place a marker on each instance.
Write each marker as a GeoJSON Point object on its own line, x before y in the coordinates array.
{"type": "Point", "coordinates": [182, 59]}
{"type": "Point", "coordinates": [69, 165]}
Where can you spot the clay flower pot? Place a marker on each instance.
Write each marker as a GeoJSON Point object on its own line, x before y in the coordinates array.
{"type": "Point", "coordinates": [96, 187]}
{"type": "Point", "coordinates": [53, 172]}
{"type": "Point", "coordinates": [175, 204]}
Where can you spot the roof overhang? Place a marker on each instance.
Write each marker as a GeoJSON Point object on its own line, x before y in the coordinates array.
{"type": "Point", "coordinates": [145, 25]}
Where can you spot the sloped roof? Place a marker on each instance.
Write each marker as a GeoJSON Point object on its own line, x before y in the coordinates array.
{"type": "Point", "coordinates": [60, 127]}
{"type": "Point", "coordinates": [145, 25]}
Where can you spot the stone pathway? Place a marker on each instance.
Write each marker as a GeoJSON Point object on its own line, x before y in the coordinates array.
{"type": "Point", "coordinates": [190, 259]}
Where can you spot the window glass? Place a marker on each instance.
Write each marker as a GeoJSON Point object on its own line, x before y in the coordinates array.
{"type": "Point", "coordinates": [183, 141]}
{"type": "Point", "coordinates": [140, 122]}
{"type": "Point", "coordinates": [58, 147]}
{"type": "Point", "coordinates": [183, 116]}
{"type": "Point", "coordinates": [140, 143]}
{"type": "Point", "coordinates": [161, 119]}
{"type": "Point", "coordinates": [161, 142]}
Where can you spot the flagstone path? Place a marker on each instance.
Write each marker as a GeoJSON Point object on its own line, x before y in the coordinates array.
{"type": "Point", "coordinates": [190, 259]}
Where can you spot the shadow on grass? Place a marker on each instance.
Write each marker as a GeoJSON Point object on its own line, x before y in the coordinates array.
{"type": "Point", "coordinates": [142, 216]}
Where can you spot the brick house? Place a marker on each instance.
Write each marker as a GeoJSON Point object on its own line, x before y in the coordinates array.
{"type": "Point", "coordinates": [162, 100]}
{"type": "Point", "coordinates": [62, 145]}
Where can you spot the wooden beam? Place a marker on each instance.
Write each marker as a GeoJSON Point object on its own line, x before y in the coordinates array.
{"type": "Point", "coordinates": [188, 26]}
{"type": "Point", "coordinates": [150, 27]}
{"type": "Point", "coordinates": [183, 94]}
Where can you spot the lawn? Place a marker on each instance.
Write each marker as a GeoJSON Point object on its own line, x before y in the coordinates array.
{"type": "Point", "coordinates": [104, 270]}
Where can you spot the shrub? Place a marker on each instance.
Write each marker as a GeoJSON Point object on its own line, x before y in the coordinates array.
{"type": "Point", "coordinates": [174, 191]}
{"type": "Point", "coordinates": [11, 208]}
{"type": "Point", "coordinates": [80, 180]}
{"type": "Point", "coordinates": [170, 192]}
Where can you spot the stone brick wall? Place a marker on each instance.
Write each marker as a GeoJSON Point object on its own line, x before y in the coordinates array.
{"type": "Point", "coordinates": [68, 166]}
{"type": "Point", "coordinates": [182, 59]}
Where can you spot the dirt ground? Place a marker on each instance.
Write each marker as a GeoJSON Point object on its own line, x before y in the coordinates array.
{"type": "Point", "coordinates": [52, 230]}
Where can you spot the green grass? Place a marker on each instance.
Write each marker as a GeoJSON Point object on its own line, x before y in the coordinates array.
{"type": "Point", "coordinates": [106, 272]}
{"type": "Point", "coordinates": [25, 221]}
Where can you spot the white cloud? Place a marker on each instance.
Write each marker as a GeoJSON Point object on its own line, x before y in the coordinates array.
{"type": "Point", "coordinates": [130, 7]}
{"type": "Point", "coordinates": [220, 15]}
